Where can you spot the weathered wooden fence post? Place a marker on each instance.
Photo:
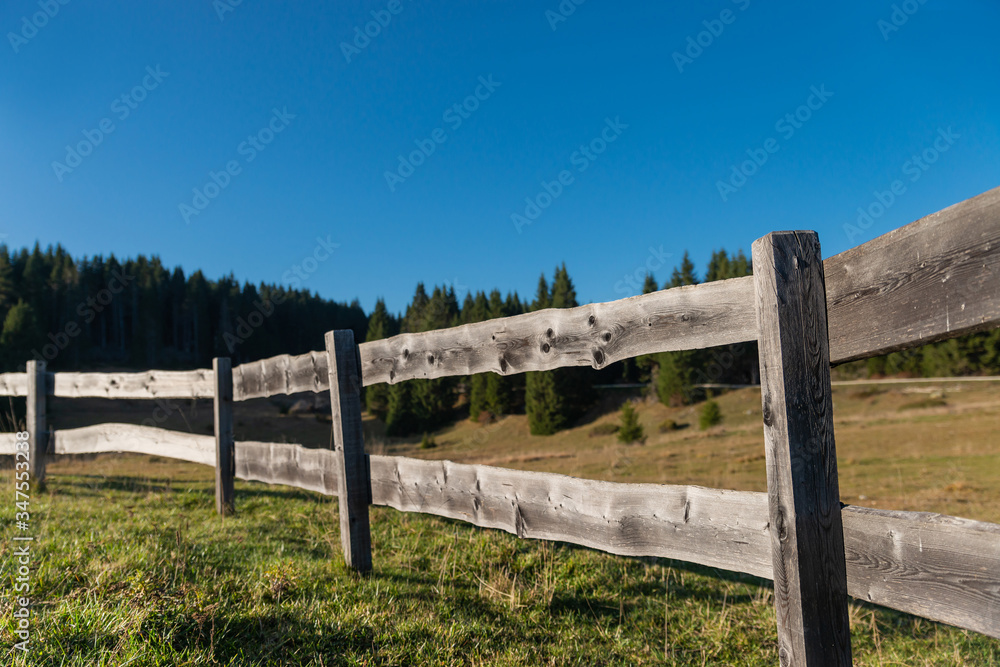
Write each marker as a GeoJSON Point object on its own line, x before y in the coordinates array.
{"type": "Point", "coordinates": [225, 445]}
{"type": "Point", "coordinates": [354, 478]}
{"type": "Point", "coordinates": [37, 427]}
{"type": "Point", "coordinates": [807, 537]}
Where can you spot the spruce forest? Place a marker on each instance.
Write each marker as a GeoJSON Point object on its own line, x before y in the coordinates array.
{"type": "Point", "coordinates": [135, 314]}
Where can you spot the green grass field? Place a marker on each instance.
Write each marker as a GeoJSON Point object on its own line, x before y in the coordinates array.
{"type": "Point", "coordinates": [133, 567]}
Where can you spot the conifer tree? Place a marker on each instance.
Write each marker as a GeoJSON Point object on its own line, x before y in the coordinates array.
{"type": "Point", "coordinates": [6, 282]}
{"type": "Point", "coordinates": [379, 327]}
{"type": "Point", "coordinates": [673, 375]}
{"type": "Point", "coordinates": [718, 267]}
{"type": "Point", "coordinates": [425, 404]}
{"type": "Point", "coordinates": [555, 399]}
{"type": "Point", "coordinates": [477, 312]}
{"type": "Point", "coordinates": [542, 298]}
{"type": "Point", "coordinates": [498, 394]}
{"type": "Point", "coordinates": [649, 284]}
{"type": "Point", "coordinates": [20, 334]}
{"type": "Point", "coordinates": [630, 430]}
{"type": "Point", "coordinates": [684, 275]}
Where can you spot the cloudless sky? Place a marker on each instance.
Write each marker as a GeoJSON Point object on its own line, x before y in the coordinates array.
{"type": "Point", "coordinates": [656, 186]}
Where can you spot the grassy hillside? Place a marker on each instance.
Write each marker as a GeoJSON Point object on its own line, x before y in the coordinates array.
{"type": "Point", "coordinates": [134, 567]}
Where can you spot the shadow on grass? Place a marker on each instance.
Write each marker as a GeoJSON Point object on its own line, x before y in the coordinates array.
{"type": "Point", "coordinates": [124, 483]}
{"type": "Point", "coordinates": [143, 484]}
{"type": "Point", "coordinates": [280, 636]}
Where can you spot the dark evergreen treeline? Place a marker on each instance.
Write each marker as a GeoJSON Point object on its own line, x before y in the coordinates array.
{"type": "Point", "coordinates": [97, 312]}
{"type": "Point", "coordinates": [139, 314]}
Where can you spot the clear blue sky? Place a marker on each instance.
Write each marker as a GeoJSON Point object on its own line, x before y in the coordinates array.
{"type": "Point", "coordinates": [656, 185]}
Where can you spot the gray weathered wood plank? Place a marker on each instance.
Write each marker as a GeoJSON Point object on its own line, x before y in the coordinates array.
{"type": "Point", "coordinates": [807, 543]}
{"type": "Point", "coordinates": [222, 405]}
{"type": "Point", "coordinates": [288, 464]}
{"type": "Point", "coordinates": [936, 278]}
{"type": "Point", "coordinates": [135, 439]}
{"type": "Point", "coordinates": [149, 384]}
{"type": "Point", "coordinates": [283, 374]}
{"type": "Point", "coordinates": [13, 384]}
{"type": "Point", "coordinates": [8, 444]}
{"type": "Point", "coordinates": [353, 478]}
{"type": "Point", "coordinates": [940, 567]}
{"type": "Point", "coordinates": [725, 529]}
{"type": "Point", "coordinates": [36, 423]}
{"type": "Point", "coordinates": [595, 335]}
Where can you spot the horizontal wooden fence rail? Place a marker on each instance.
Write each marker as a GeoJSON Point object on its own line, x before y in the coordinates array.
{"type": "Point", "coordinates": [936, 278]}
{"type": "Point", "coordinates": [288, 464]}
{"type": "Point", "coordinates": [13, 384]}
{"type": "Point", "coordinates": [7, 441]}
{"type": "Point", "coordinates": [683, 318]}
{"type": "Point", "coordinates": [272, 463]}
{"type": "Point", "coordinates": [283, 374]}
{"type": "Point", "coordinates": [149, 384]}
{"type": "Point", "coordinates": [137, 440]}
{"type": "Point", "coordinates": [724, 529]}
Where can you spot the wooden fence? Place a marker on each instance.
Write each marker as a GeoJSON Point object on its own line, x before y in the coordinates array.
{"type": "Point", "coordinates": [934, 279]}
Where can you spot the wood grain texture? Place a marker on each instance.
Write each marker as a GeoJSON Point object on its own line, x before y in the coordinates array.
{"type": "Point", "coordinates": [725, 529]}
{"type": "Point", "coordinates": [933, 279]}
{"type": "Point", "coordinates": [13, 384]}
{"type": "Point", "coordinates": [353, 477]}
{"type": "Point", "coordinates": [149, 384]}
{"type": "Point", "coordinates": [940, 567]}
{"type": "Point", "coordinates": [283, 374]}
{"type": "Point", "coordinates": [136, 439]}
{"type": "Point", "coordinates": [35, 419]}
{"type": "Point", "coordinates": [222, 405]}
{"type": "Point", "coordinates": [288, 464]}
{"type": "Point", "coordinates": [807, 539]}
{"type": "Point", "coordinates": [595, 335]}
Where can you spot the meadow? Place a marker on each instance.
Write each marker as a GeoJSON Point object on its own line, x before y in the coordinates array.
{"type": "Point", "coordinates": [134, 566]}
